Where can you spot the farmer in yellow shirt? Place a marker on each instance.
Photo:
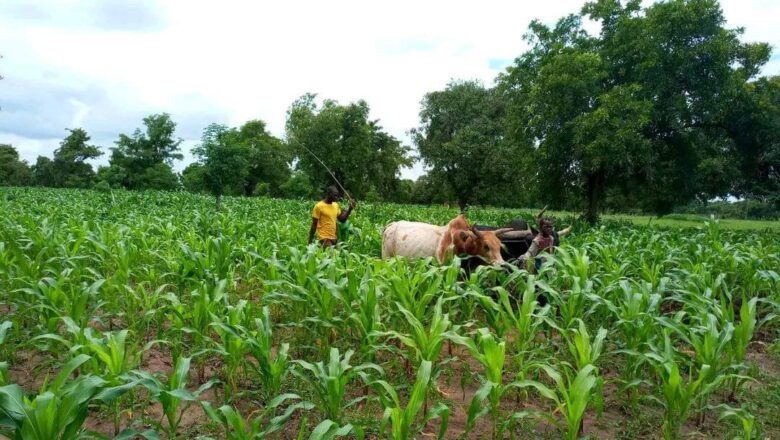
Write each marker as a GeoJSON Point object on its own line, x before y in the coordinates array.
{"type": "Point", "coordinates": [324, 216]}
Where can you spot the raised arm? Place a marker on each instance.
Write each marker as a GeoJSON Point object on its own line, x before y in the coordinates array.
{"type": "Point", "coordinates": [541, 213]}
{"type": "Point", "coordinates": [344, 216]}
{"type": "Point", "coordinates": [564, 232]}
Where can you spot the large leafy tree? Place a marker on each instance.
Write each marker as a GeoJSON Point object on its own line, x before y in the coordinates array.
{"type": "Point", "coordinates": [69, 163]}
{"type": "Point", "coordinates": [753, 121]}
{"type": "Point", "coordinates": [143, 160]}
{"type": "Point", "coordinates": [13, 172]}
{"type": "Point", "coordinates": [461, 140]}
{"type": "Point", "coordinates": [363, 157]}
{"type": "Point", "coordinates": [269, 160]}
{"type": "Point", "coordinates": [223, 157]}
{"type": "Point", "coordinates": [68, 168]}
{"type": "Point", "coordinates": [637, 109]}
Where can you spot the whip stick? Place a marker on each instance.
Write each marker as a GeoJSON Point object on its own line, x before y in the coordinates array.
{"type": "Point", "coordinates": [326, 169]}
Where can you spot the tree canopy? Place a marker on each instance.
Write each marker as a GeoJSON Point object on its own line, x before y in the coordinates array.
{"type": "Point", "coordinates": [360, 154]}
{"type": "Point", "coordinates": [143, 160]}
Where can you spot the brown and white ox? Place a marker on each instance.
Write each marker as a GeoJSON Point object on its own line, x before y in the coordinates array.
{"type": "Point", "coordinates": [422, 240]}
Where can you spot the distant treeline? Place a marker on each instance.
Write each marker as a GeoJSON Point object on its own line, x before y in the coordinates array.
{"type": "Point", "coordinates": [663, 109]}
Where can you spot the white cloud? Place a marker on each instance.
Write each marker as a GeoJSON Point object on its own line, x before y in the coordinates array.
{"type": "Point", "coordinates": [106, 65]}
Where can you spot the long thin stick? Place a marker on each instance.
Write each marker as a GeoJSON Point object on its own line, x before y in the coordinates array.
{"type": "Point", "coordinates": [326, 169]}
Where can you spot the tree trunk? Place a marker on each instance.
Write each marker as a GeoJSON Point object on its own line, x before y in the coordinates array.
{"type": "Point", "coordinates": [219, 201]}
{"type": "Point", "coordinates": [594, 192]}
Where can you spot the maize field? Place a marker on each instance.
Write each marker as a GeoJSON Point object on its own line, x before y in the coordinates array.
{"type": "Point", "coordinates": [150, 315]}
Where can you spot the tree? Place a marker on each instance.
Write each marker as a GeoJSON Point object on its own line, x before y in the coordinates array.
{"type": "Point", "coordinates": [753, 120]}
{"type": "Point", "coordinates": [192, 178]}
{"type": "Point", "coordinates": [461, 139]}
{"type": "Point", "coordinates": [43, 172]}
{"type": "Point", "coordinates": [298, 186]}
{"type": "Point", "coordinates": [223, 157]}
{"type": "Point", "coordinates": [269, 159]}
{"type": "Point", "coordinates": [356, 149]}
{"type": "Point", "coordinates": [143, 160]}
{"type": "Point", "coordinates": [637, 109]}
{"type": "Point", "coordinates": [69, 167]}
{"type": "Point", "coordinates": [13, 172]}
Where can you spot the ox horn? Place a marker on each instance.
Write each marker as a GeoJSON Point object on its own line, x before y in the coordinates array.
{"type": "Point", "coordinates": [476, 232]}
{"type": "Point", "coordinates": [502, 231]}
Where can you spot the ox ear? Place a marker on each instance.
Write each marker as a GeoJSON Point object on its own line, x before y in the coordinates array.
{"type": "Point", "coordinates": [477, 233]}
{"type": "Point", "coordinates": [464, 235]}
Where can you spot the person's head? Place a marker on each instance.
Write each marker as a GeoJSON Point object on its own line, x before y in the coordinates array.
{"type": "Point", "coordinates": [331, 194]}
{"type": "Point", "coordinates": [546, 226]}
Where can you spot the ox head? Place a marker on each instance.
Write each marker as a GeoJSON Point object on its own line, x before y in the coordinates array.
{"type": "Point", "coordinates": [485, 244]}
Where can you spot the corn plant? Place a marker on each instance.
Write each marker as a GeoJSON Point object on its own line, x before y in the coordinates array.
{"type": "Point", "coordinates": [571, 394]}
{"type": "Point", "coordinates": [328, 429]}
{"type": "Point", "coordinates": [231, 344]}
{"type": "Point", "coordinates": [329, 381]}
{"type": "Point", "coordinates": [59, 409]}
{"type": "Point", "coordinates": [171, 393]}
{"type": "Point", "coordinates": [272, 362]}
{"type": "Point", "coordinates": [262, 425]}
{"type": "Point", "coordinates": [424, 343]}
{"type": "Point", "coordinates": [490, 353]}
{"type": "Point", "coordinates": [366, 319]}
{"type": "Point", "coordinates": [113, 353]}
{"type": "Point", "coordinates": [678, 396]}
{"type": "Point", "coordinates": [4, 327]}
{"type": "Point", "coordinates": [747, 420]}
{"type": "Point", "coordinates": [402, 421]}
{"type": "Point", "coordinates": [526, 319]}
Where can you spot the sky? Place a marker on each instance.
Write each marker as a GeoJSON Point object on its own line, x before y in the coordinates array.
{"type": "Point", "coordinates": [103, 65]}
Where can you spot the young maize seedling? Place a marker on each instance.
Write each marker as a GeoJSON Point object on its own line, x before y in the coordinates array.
{"type": "Point", "coordinates": [59, 409]}
{"type": "Point", "coordinates": [328, 429]}
{"type": "Point", "coordinates": [489, 352]}
{"type": "Point", "coordinates": [329, 381]}
{"type": "Point", "coordinates": [262, 425]}
{"type": "Point", "coordinates": [4, 327]}
{"type": "Point", "coordinates": [571, 395]}
{"type": "Point", "coordinates": [171, 393]}
{"type": "Point", "coordinates": [271, 369]}
{"type": "Point", "coordinates": [402, 421]}
{"type": "Point", "coordinates": [679, 396]}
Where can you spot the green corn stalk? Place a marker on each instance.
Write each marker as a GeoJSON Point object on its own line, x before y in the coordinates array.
{"type": "Point", "coordinates": [232, 345]}
{"type": "Point", "coordinates": [171, 393]}
{"type": "Point", "coordinates": [424, 343]}
{"type": "Point", "coordinates": [576, 302]}
{"type": "Point", "coordinates": [328, 429]}
{"type": "Point", "coordinates": [59, 409]}
{"type": "Point", "coordinates": [271, 369]}
{"type": "Point", "coordinates": [4, 327]}
{"type": "Point", "coordinates": [526, 320]}
{"type": "Point", "coordinates": [571, 395]}
{"type": "Point", "coordinates": [366, 320]}
{"type": "Point", "coordinates": [711, 346]}
{"type": "Point", "coordinates": [490, 353]}
{"type": "Point", "coordinates": [747, 420]}
{"type": "Point", "coordinates": [580, 346]}
{"type": "Point", "coordinates": [113, 353]}
{"type": "Point", "coordinates": [634, 311]}
{"type": "Point", "coordinates": [329, 382]}
{"type": "Point", "coordinates": [262, 425]}
{"type": "Point", "coordinates": [402, 421]}
{"type": "Point", "coordinates": [743, 334]}
{"type": "Point", "coordinates": [677, 395]}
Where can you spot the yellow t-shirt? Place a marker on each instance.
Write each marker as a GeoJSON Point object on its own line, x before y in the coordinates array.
{"type": "Point", "coordinates": [327, 216]}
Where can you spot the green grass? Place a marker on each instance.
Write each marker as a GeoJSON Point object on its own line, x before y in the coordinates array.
{"type": "Point", "coordinates": [693, 221]}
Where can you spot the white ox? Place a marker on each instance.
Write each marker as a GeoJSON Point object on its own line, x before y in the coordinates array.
{"type": "Point", "coordinates": [422, 240]}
